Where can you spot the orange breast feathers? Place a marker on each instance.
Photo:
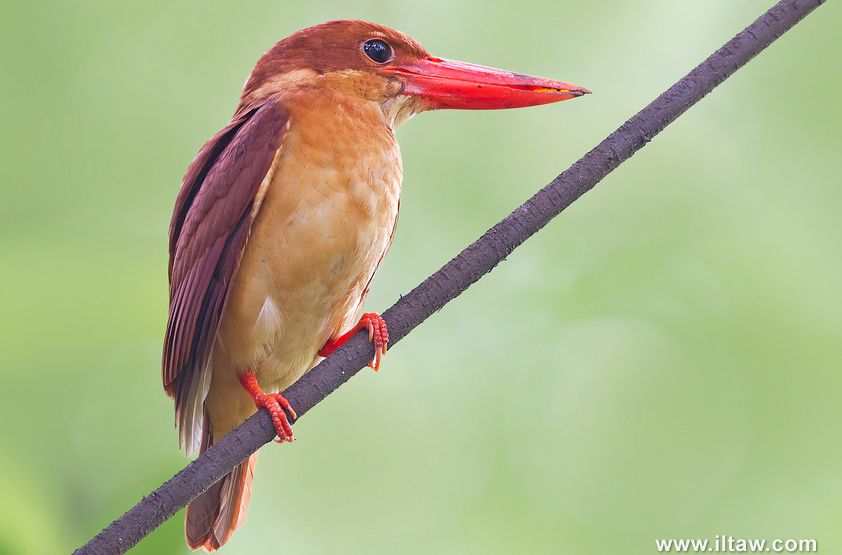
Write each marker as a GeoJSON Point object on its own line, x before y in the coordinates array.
{"type": "Point", "coordinates": [325, 223]}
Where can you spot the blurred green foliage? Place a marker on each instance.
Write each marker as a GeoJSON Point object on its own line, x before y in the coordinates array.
{"type": "Point", "coordinates": [663, 360]}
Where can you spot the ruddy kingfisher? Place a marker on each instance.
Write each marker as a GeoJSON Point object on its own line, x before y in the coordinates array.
{"type": "Point", "coordinates": [282, 219]}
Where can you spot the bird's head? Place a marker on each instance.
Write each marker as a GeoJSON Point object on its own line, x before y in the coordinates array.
{"type": "Point", "coordinates": [378, 64]}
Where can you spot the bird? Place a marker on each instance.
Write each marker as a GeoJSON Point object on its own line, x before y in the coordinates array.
{"type": "Point", "coordinates": [281, 221]}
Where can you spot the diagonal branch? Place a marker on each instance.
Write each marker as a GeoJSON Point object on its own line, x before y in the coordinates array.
{"type": "Point", "coordinates": [454, 277]}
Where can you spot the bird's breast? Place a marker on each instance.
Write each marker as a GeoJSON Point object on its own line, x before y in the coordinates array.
{"type": "Point", "coordinates": [326, 221]}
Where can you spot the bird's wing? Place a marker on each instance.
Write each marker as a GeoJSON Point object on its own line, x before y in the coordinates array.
{"type": "Point", "coordinates": [219, 197]}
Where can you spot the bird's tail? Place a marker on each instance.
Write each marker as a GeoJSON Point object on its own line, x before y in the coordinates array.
{"type": "Point", "coordinates": [213, 517]}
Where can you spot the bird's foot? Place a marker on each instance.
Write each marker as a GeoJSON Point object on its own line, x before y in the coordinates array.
{"type": "Point", "coordinates": [378, 334]}
{"type": "Point", "coordinates": [274, 403]}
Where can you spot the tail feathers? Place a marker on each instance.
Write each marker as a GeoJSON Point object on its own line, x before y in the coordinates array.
{"type": "Point", "coordinates": [213, 517]}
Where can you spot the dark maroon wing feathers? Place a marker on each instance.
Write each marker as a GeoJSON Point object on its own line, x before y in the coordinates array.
{"type": "Point", "coordinates": [208, 232]}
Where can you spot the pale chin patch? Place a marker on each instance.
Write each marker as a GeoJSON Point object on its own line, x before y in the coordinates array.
{"type": "Point", "coordinates": [399, 109]}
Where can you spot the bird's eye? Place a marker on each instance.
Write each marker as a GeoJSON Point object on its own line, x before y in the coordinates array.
{"type": "Point", "coordinates": [378, 50]}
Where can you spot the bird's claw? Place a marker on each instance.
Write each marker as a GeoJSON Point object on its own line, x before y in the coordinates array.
{"type": "Point", "coordinates": [277, 406]}
{"type": "Point", "coordinates": [378, 334]}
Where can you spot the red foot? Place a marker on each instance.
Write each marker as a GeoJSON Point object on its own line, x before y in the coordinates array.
{"type": "Point", "coordinates": [378, 334]}
{"type": "Point", "coordinates": [272, 402]}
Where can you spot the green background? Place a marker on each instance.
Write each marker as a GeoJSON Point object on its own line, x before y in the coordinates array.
{"type": "Point", "coordinates": [663, 360]}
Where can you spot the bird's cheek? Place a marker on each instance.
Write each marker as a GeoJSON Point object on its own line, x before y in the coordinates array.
{"type": "Point", "coordinates": [399, 109]}
{"type": "Point", "coordinates": [381, 89]}
{"type": "Point", "coordinates": [393, 88]}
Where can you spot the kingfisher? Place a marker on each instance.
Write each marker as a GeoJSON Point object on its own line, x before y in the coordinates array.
{"type": "Point", "coordinates": [282, 220]}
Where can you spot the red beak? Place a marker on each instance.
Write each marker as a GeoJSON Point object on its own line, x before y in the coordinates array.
{"type": "Point", "coordinates": [450, 84]}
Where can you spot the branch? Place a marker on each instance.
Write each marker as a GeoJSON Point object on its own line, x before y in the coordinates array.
{"type": "Point", "coordinates": [454, 277]}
